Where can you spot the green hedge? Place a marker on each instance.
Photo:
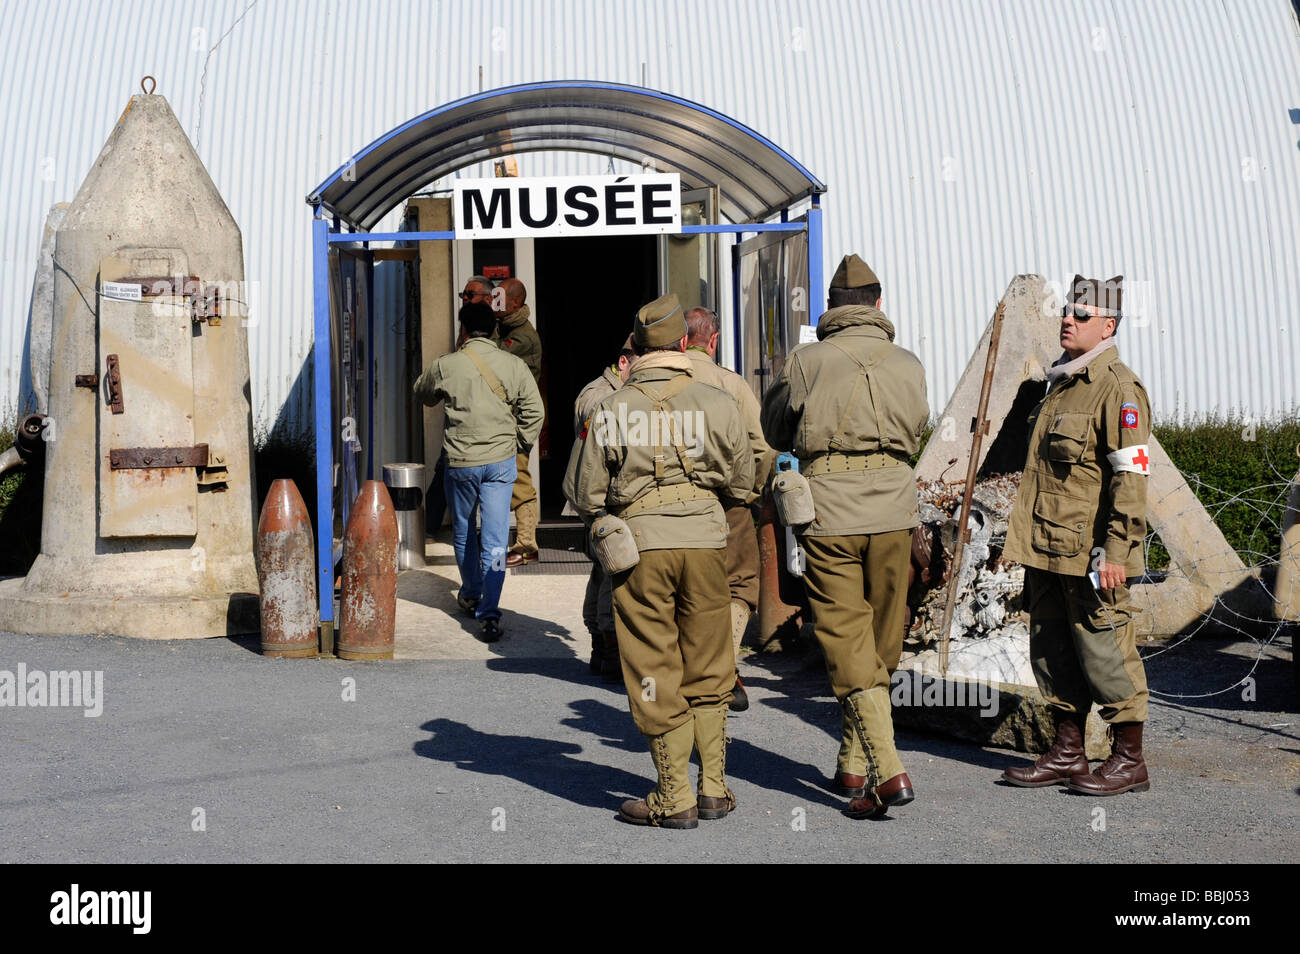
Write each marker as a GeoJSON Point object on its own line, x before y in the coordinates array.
{"type": "Point", "coordinates": [1241, 472]}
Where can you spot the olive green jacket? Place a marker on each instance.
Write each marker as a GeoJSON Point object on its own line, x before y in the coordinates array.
{"type": "Point", "coordinates": [516, 335]}
{"type": "Point", "coordinates": [823, 401]}
{"type": "Point", "coordinates": [613, 465]}
{"type": "Point", "coordinates": [595, 392]}
{"type": "Point", "coordinates": [1084, 489]}
{"type": "Point", "coordinates": [481, 428]}
{"type": "Point", "coordinates": [710, 372]}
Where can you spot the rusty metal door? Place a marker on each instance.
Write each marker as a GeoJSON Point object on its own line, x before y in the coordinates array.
{"type": "Point", "coordinates": [148, 483]}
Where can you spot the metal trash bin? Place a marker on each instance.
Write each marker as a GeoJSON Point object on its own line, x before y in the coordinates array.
{"type": "Point", "coordinates": [405, 483]}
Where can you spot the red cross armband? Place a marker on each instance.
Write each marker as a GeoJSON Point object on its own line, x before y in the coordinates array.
{"type": "Point", "coordinates": [1130, 460]}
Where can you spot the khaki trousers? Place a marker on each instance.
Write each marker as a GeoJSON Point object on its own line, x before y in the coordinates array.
{"type": "Point", "coordinates": [597, 603]}
{"type": "Point", "coordinates": [742, 556]}
{"type": "Point", "coordinates": [673, 621]}
{"type": "Point", "coordinates": [857, 587]}
{"type": "Point", "coordinates": [524, 490]}
{"type": "Point", "coordinates": [1083, 647]}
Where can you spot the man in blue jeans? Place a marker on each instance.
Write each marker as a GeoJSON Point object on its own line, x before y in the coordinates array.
{"type": "Point", "coordinates": [494, 411]}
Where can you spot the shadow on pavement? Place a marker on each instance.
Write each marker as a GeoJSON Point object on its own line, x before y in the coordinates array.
{"type": "Point", "coordinates": [543, 764]}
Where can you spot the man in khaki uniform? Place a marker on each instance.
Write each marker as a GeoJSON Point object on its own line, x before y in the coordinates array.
{"type": "Point", "coordinates": [597, 604]}
{"type": "Point", "coordinates": [660, 453]}
{"type": "Point", "coordinates": [1081, 508]}
{"type": "Point", "coordinates": [852, 408]}
{"type": "Point", "coordinates": [515, 334]}
{"type": "Point", "coordinates": [493, 413]}
{"type": "Point", "coordinates": [742, 540]}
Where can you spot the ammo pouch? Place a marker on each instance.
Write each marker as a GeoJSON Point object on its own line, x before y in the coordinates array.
{"type": "Point", "coordinates": [793, 498]}
{"type": "Point", "coordinates": [612, 543]}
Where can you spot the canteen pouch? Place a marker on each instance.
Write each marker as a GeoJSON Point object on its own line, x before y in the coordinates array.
{"type": "Point", "coordinates": [793, 498]}
{"type": "Point", "coordinates": [612, 543]}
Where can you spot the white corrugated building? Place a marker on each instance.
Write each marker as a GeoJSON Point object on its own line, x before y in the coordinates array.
{"type": "Point", "coordinates": [961, 144]}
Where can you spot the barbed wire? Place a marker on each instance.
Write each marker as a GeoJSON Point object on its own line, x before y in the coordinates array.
{"type": "Point", "coordinates": [1241, 607]}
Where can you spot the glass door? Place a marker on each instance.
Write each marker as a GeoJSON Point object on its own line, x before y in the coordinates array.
{"type": "Point", "coordinates": [772, 272]}
{"type": "Point", "coordinates": [688, 264]}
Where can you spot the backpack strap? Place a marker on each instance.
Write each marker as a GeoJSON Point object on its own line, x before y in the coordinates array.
{"type": "Point", "coordinates": [492, 380]}
{"type": "Point", "coordinates": [660, 401]}
{"type": "Point", "coordinates": [865, 367]}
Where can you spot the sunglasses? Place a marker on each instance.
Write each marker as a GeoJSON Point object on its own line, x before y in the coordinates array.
{"type": "Point", "coordinates": [1078, 314]}
{"type": "Point", "coordinates": [470, 296]}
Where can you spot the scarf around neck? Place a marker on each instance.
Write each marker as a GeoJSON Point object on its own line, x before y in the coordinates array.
{"type": "Point", "coordinates": [1065, 366]}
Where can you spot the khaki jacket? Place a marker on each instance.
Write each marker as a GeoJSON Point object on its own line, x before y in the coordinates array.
{"type": "Point", "coordinates": [516, 335]}
{"type": "Point", "coordinates": [481, 428]}
{"type": "Point", "coordinates": [710, 372]}
{"type": "Point", "coordinates": [595, 392]}
{"type": "Point", "coordinates": [1072, 498]}
{"type": "Point", "coordinates": [824, 402]}
{"type": "Point", "coordinates": [614, 465]}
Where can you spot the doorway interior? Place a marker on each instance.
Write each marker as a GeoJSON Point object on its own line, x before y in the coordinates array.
{"type": "Point", "coordinates": [588, 292]}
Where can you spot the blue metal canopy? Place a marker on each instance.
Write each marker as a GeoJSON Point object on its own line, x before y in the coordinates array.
{"type": "Point", "coordinates": [755, 178]}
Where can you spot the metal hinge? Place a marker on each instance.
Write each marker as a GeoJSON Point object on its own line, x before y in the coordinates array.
{"type": "Point", "coordinates": [204, 300]}
{"type": "Point", "coordinates": [152, 458]}
{"type": "Point", "coordinates": [114, 385]}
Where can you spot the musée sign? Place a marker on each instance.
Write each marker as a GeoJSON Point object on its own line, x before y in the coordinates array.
{"type": "Point", "coordinates": [568, 205]}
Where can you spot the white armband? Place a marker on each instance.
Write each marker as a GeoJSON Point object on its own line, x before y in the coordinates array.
{"type": "Point", "coordinates": [1130, 460]}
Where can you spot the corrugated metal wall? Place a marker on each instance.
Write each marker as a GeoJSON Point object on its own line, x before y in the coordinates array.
{"type": "Point", "coordinates": [962, 143]}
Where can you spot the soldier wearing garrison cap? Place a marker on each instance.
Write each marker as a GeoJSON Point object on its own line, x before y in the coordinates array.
{"type": "Point", "coordinates": [515, 333]}
{"type": "Point", "coordinates": [852, 408]}
{"type": "Point", "coordinates": [742, 538]}
{"type": "Point", "coordinates": [597, 604]}
{"type": "Point", "coordinates": [1081, 510]}
{"type": "Point", "coordinates": [665, 453]}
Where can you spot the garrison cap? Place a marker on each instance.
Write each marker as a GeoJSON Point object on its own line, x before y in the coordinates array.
{"type": "Point", "coordinates": [660, 323]}
{"type": "Point", "coordinates": [853, 273]}
{"type": "Point", "coordinates": [1105, 295]}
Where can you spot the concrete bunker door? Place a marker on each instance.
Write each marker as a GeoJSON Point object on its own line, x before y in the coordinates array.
{"type": "Point", "coordinates": [147, 458]}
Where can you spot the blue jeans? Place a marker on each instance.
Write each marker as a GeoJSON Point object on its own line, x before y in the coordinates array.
{"type": "Point", "coordinates": [482, 564]}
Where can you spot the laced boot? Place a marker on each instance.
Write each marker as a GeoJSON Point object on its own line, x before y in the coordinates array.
{"type": "Point", "coordinates": [1058, 764]}
{"type": "Point", "coordinates": [851, 766]}
{"type": "Point", "coordinates": [887, 784]}
{"type": "Point", "coordinates": [714, 798]}
{"type": "Point", "coordinates": [739, 623]}
{"type": "Point", "coordinates": [525, 548]}
{"type": "Point", "coordinates": [1124, 771]}
{"type": "Point", "coordinates": [671, 804]}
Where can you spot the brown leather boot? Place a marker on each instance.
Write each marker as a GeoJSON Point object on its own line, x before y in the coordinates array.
{"type": "Point", "coordinates": [1064, 760]}
{"type": "Point", "coordinates": [1124, 771]}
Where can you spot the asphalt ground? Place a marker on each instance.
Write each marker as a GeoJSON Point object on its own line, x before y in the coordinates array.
{"type": "Point", "coordinates": [206, 751]}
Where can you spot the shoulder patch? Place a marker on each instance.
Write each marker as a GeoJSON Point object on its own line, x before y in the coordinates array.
{"type": "Point", "coordinates": [1128, 416]}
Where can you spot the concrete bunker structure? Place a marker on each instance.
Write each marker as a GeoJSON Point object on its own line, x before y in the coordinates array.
{"type": "Point", "coordinates": [148, 514]}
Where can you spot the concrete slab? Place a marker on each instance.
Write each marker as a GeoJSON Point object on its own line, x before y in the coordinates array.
{"type": "Point", "coordinates": [431, 626]}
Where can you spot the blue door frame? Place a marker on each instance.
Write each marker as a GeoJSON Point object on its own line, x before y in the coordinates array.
{"type": "Point", "coordinates": [323, 236]}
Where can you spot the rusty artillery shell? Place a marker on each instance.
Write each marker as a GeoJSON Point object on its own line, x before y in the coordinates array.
{"type": "Point", "coordinates": [369, 613]}
{"type": "Point", "coordinates": [286, 573]}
